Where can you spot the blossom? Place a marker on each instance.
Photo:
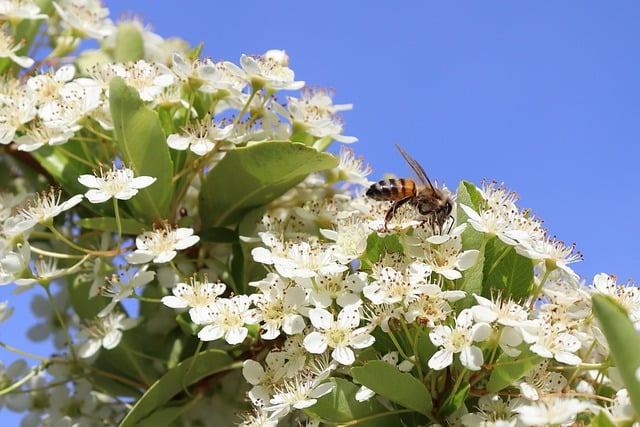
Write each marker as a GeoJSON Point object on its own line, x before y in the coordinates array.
{"type": "Point", "coordinates": [226, 318]}
{"type": "Point", "coordinates": [161, 244]}
{"type": "Point", "coordinates": [554, 411]}
{"type": "Point", "coordinates": [104, 332]}
{"type": "Point", "coordinates": [148, 78]}
{"type": "Point", "coordinates": [44, 208]}
{"type": "Point", "coordinates": [315, 114]}
{"type": "Point", "coordinates": [196, 295]}
{"type": "Point", "coordinates": [459, 340]}
{"type": "Point", "coordinates": [117, 182]}
{"type": "Point", "coordinates": [200, 138]}
{"type": "Point", "coordinates": [493, 411]}
{"type": "Point", "coordinates": [270, 71]}
{"type": "Point", "coordinates": [8, 49]}
{"type": "Point", "coordinates": [340, 334]}
{"type": "Point", "coordinates": [118, 289]}
{"type": "Point", "coordinates": [17, 10]}
{"type": "Point", "coordinates": [87, 17]}
{"type": "Point", "coordinates": [277, 307]}
{"type": "Point", "coordinates": [553, 341]}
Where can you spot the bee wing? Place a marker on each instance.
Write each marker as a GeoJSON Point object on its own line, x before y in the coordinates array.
{"type": "Point", "coordinates": [419, 170]}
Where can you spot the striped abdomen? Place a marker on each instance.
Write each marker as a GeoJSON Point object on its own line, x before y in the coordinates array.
{"type": "Point", "coordinates": [392, 189]}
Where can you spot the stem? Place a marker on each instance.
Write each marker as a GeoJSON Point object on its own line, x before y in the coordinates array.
{"type": "Point", "coordinates": [20, 382]}
{"type": "Point", "coordinates": [118, 222]}
{"type": "Point", "coordinates": [23, 353]}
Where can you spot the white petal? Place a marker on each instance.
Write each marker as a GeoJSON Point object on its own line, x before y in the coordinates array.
{"type": "Point", "coordinates": [142, 182]}
{"type": "Point", "coordinates": [471, 357]}
{"type": "Point", "coordinates": [441, 359]}
{"type": "Point", "coordinates": [236, 335]}
{"type": "Point", "coordinates": [320, 318]}
{"type": "Point", "coordinates": [174, 302]}
{"type": "Point", "coordinates": [90, 181]}
{"type": "Point", "coordinates": [344, 355]}
{"type": "Point", "coordinates": [210, 333]}
{"type": "Point", "coordinates": [315, 343]}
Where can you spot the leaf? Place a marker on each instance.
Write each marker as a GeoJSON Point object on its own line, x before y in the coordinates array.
{"type": "Point", "coordinates": [129, 43]}
{"type": "Point", "coordinates": [471, 281]}
{"type": "Point", "coordinates": [129, 226]}
{"type": "Point", "coordinates": [144, 148]}
{"type": "Point", "coordinates": [340, 406]}
{"type": "Point", "coordinates": [218, 235]}
{"type": "Point", "coordinates": [624, 343]}
{"type": "Point", "coordinates": [507, 271]}
{"type": "Point", "coordinates": [454, 401]}
{"type": "Point", "coordinates": [379, 245]}
{"type": "Point", "coordinates": [467, 194]}
{"type": "Point", "coordinates": [188, 372]}
{"type": "Point", "coordinates": [250, 177]}
{"type": "Point", "coordinates": [601, 420]}
{"type": "Point", "coordinates": [508, 370]}
{"type": "Point", "coordinates": [399, 387]}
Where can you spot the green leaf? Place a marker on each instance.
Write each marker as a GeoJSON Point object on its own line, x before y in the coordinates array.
{"type": "Point", "coordinates": [250, 177]}
{"type": "Point", "coordinates": [399, 387]}
{"type": "Point", "coordinates": [624, 343]}
{"type": "Point", "coordinates": [507, 271]}
{"type": "Point", "coordinates": [340, 406]}
{"type": "Point", "coordinates": [144, 148]}
{"type": "Point", "coordinates": [468, 194]}
{"type": "Point", "coordinates": [454, 401]}
{"type": "Point", "coordinates": [508, 370]}
{"type": "Point", "coordinates": [471, 281]}
{"type": "Point", "coordinates": [164, 416]}
{"type": "Point", "coordinates": [601, 420]}
{"type": "Point", "coordinates": [218, 235]}
{"type": "Point", "coordinates": [379, 245]}
{"type": "Point", "coordinates": [64, 166]}
{"type": "Point", "coordinates": [129, 44]}
{"type": "Point", "coordinates": [129, 226]}
{"type": "Point", "coordinates": [174, 382]}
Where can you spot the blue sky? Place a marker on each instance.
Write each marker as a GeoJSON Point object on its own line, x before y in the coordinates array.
{"type": "Point", "coordinates": [543, 96]}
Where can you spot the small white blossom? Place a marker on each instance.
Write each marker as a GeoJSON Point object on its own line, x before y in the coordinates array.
{"type": "Point", "coordinates": [116, 182]}
{"type": "Point", "coordinates": [104, 332]}
{"type": "Point", "coordinates": [196, 295]}
{"type": "Point", "coordinates": [8, 49]}
{"type": "Point", "coordinates": [270, 71]}
{"type": "Point", "coordinates": [226, 318]}
{"type": "Point", "coordinates": [119, 289]}
{"type": "Point", "coordinates": [340, 334]}
{"type": "Point", "coordinates": [87, 17]}
{"type": "Point", "coordinates": [161, 244]}
{"type": "Point", "coordinates": [44, 208]}
{"type": "Point", "coordinates": [554, 411]}
{"type": "Point", "coordinates": [459, 340]}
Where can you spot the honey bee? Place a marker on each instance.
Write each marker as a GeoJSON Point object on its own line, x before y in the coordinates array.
{"type": "Point", "coordinates": [433, 204]}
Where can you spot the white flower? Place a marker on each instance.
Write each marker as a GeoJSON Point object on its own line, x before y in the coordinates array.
{"type": "Point", "coordinates": [340, 334]}
{"type": "Point", "coordinates": [44, 208]}
{"type": "Point", "coordinates": [46, 86]}
{"type": "Point", "coordinates": [8, 50]}
{"type": "Point", "coordinates": [553, 341]}
{"type": "Point", "coordinates": [298, 392]}
{"type": "Point", "coordinates": [226, 318]}
{"type": "Point", "coordinates": [119, 183]}
{"type": "Point", "coordinates": [161, 244]}
{"type": "Point", "coordinates": [315, 114]}
{"type": "Point", "coordinates": [17, 10]}
{"type": "Point", "coordinates": [459, 340]}
{"type": "Point", "coordinates": [74, 102]}
{"type": "Point", "coordinates": [87, 17]}
{"type": "Point", "coordinates": [297, 260]}
{"type": "Point", "coordinates": [119, 289]}
{"type": "Point", "coordinates": [104, 332]}
{"type": "Point", "coordinates": [351, 240]}
{"type": "Point", "coordinates": [552, 252]}
{"type": "Point", "coordinates": [196, 295]}
{"type": "Point", "coordinates": [555, 411]}
{"type": "Point", "coordinates": [277, 307]}
{"type": "Point", "coordinates": [17, 107]}
{"type": "Point", "coordinates": [269, 71]}
{"type": "Point", "coordinates": [200, 138]}
{"type": "Point", "coordinates": [148, 78]}
{"type": "Point", "coordinates": [493, 412]}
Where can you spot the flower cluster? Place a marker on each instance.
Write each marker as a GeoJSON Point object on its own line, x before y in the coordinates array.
{"type": "Point", "coordinates": [225, 262]}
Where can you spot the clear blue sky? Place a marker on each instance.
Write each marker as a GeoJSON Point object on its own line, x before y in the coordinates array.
{"type": "Point", "coordinates": [543, 96]}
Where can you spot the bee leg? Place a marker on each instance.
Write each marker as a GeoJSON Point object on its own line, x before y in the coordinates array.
{"type": "Point", "coordinates": [392, 210]}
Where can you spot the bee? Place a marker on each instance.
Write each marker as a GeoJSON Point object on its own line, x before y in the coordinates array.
{"type": "Point", "coordinates": [433, 204]}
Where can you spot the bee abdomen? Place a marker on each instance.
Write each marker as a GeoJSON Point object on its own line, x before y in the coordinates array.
{"type": "Point", "coordinates": [392, 189]}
